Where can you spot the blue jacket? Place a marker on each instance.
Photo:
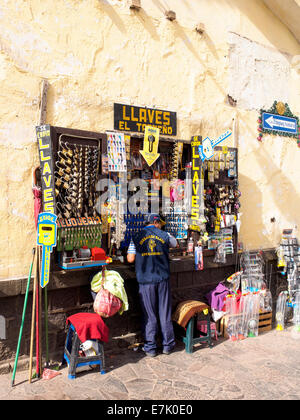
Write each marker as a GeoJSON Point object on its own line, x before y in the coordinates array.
{"type": "Point", "coordinates": [152, 255]}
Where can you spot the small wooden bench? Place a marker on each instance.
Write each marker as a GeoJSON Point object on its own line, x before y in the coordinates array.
{"type": "Point", "coordinates": [186, 316]}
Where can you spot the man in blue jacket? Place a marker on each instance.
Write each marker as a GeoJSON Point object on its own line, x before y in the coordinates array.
{"type": "Point", "coordinates": [150, 251]}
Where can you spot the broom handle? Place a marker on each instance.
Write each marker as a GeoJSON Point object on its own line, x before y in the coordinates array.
{"type": "Point", "coordinates": [46, 326]}
{"type": "Point", "coordinates": [23, 319]}
{"type": "Point", "coordinates": [37, 331]}
{"type": "Point", "coordinates": [33, 316]}
{"type": "Point", "coordinates": [40, 331]}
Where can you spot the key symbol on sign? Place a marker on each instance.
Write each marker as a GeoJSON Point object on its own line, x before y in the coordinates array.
{"type": "Point", "coordinates": [47, 230]}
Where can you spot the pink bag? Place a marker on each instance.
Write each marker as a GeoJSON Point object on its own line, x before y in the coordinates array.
{"type": "Point", "coordinates": [106, 304]}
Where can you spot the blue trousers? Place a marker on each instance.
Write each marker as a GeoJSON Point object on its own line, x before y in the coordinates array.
{"type": "Point", "coordinates": [156, 305]}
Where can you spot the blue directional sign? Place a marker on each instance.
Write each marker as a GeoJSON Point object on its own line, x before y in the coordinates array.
{"type": "Point", "coordinates": [279, 123]}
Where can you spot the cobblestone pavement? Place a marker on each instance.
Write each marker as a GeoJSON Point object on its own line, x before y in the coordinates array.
{"type": "Point", "coordinates": [263, 368]}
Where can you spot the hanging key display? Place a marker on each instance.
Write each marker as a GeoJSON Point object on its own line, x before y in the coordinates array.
{"type": "Point", "coordinates": [198, 199]}
{"type": "Point", "coordinates": [73, 163]}
{"type": "Point", "coordinates": [76, 171]}
{"type": "Point", "coordinates": [116, 152]}
{"type": "Point", "coordinates": [221, 198]}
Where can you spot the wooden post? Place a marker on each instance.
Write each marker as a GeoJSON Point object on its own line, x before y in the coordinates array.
{"type": "Point", "coordinates": [43, 102]}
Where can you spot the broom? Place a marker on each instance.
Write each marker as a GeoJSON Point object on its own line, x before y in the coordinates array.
{"type": "Point", "coordinates": [23, 319]}
{"type": "Point", "coordinates": [33, 315]}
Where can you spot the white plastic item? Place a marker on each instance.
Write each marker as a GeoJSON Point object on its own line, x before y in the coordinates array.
{"type": "Point", "coordinates": [190, 246]}
{"type": "Point", "coordinates": [266, 300]}
{"type": "Point", "coordinates": [254, 300]}
{"type": "Point", "coordinates": [280, 311]}
{"type": "Point", "coordinates": [231, 308]}
{"type": "Point", "coordinates": [296, 316]}
{"type": "Point", "coordinates": [244, 316]}
{"type": "Point", "coordinates": [90, 348]}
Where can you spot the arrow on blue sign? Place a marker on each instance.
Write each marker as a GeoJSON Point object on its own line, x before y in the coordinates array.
{"type": "Point", "coordinates": [279, 123]}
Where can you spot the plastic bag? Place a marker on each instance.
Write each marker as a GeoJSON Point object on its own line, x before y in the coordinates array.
{"type": "Point", "coordinates": [220, 256]}
{"type": "Point", "coordinates": [106, 304]}
{"type": "Point", "coordinates": [49, 374]}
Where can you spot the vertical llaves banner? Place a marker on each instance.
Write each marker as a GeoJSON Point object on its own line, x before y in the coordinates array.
{"type": "Point", "coordinates": [47, 167]}
{"type": "Point", "coordinates": [197, 185]}
{"type": "Point", "coordinates": [48, 200]}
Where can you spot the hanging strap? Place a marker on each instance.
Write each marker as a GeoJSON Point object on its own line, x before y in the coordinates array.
{"type": "Point", "coordinates": [103, 276]}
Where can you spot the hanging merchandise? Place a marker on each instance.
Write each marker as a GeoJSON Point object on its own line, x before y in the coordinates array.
{"type": "Point", "coordinates": [177, 190]}
{"type": "Point", "coordinates": [177, 223]}
{"type": "Point", "coordinates": [281, 310]}
{"type": "Point", "coordinates": [134, 223]}
{"type": "Point", "coordinates": [220, 256]}
{"type": "Point", "coordinates": [198, 258]}
{"type": "Point", "coordinates": [254, 300]}
{"type": "Point", "coordinates": [111, 281]}
{"type": "Point", "coordinates": [176, 159]}
{"type": "Point", "coordinates": [188, 187]}
{"type": "Point", "coordinates": [252, 279]}
{"type": "Point", "coordinates": [118, 227]}
{"type": "Point", "coordinates": [289, 260]}
{"type": "Point", "coordinates": [233, 282]}
{"type": "Point", "coordinates": [76, 171]}
{"type": "Point", "coordinates": [116, 152]}
{"type": "Point", "coordinates": [296, 315]}
{"type": "Point", "coordinates": [288, 254]}
{"type": "Point", "coordinates": [190, 246]}
{"type": "Point", "coordinates": [266, 300]}
{"type": "Point", "coordinates": [244, 316]}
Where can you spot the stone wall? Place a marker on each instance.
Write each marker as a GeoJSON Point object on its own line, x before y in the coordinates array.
{"type": "Point", "coordinates": [70, 293]}
{"type": "Point", "coordinates": [99, 52]}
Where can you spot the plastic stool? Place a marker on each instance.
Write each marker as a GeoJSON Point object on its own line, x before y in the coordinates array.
{"type": "Point", "coordinates": [189, 339]}
{"type": "Point", "coordinates": [74, 360]}
{"type": "Point", "coordinates": [202, 327]}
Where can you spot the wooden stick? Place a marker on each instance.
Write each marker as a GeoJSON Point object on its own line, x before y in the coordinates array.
{"type": "Point", "coordinates": [37, 328]}
{"type": "Point", "coordinates": [40, 332]}
{"type": "Point", "coordinates": [23, 318]}
{"type": "Point", "coordinates": [33, 315]}
{"type": "Point", "coordinates": [43, 102]}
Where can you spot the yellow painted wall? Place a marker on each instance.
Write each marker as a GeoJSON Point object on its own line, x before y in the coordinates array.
{"type": "Point", "coordinates": [98, 52]}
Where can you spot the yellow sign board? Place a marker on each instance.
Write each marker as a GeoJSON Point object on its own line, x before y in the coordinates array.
{"type": "Point", "coordinates": [151, 140]}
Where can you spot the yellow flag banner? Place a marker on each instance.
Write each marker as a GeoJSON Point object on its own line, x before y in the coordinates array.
{"type": "Point", "coordinates": [150, 148]}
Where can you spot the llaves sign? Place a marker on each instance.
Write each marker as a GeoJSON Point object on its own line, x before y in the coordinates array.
{"type": "Point", "coordinates": [197, 191]}
{"type": "Point", "coordinates": [135, 119]}
{"type": "Point", "coordinates": [47, 172]}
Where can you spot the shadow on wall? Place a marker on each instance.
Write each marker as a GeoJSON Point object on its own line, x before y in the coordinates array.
{"type": "Point", "coordinates": [114, 16]}
{"type": "Point", "coordinates": [275, 181]}
{"type": "Point", "coordinates": [191, 45]}
{"type": "Point", "coordinates": [147, 22]}
{"type": "Point", "coordinates": [266, 23]}
{"type": "Point", "coordinates": [252, 223]}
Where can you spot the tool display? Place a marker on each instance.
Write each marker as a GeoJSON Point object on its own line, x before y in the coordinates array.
{"type": "Point", "coordinates": [78, 241]}
{"type": "Point", "coordinates": [76, 171]}
{"type": "Point", "coordinates": [75, 159]}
